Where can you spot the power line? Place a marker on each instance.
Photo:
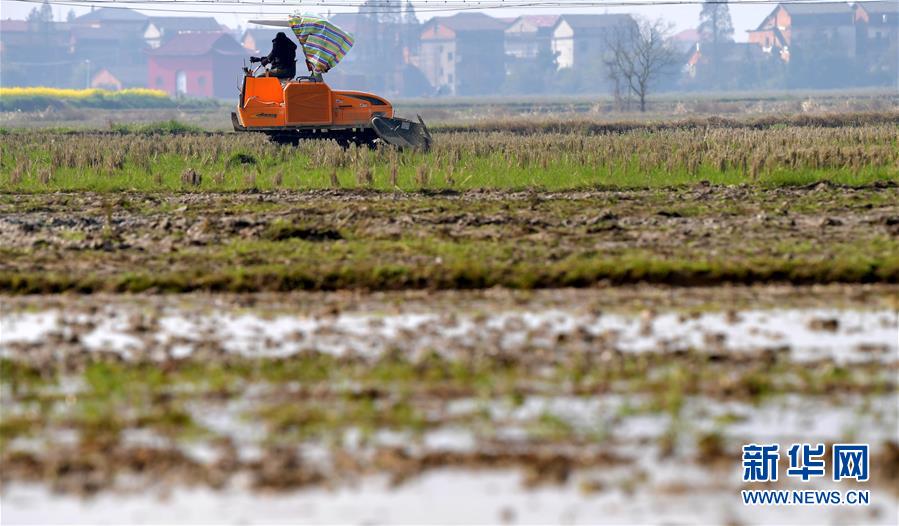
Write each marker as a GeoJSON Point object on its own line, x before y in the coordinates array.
{"type": "Point", "coordinates": [397, 7]}
{"type": "Point", "coordinates": [483, 4]}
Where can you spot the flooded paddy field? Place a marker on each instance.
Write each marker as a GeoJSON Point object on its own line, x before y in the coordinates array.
{"type": "Point", "coordinates": [608, 404]}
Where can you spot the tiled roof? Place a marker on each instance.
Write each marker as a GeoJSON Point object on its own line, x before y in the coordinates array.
{"type": "Point", "coordinates": [687, 35]}
{"type": "Point", "coordinates": [111, 33]}
{"type": "Point", "coordinates": [195, 44]}
{"type": "Point", "coordinates": [177, 24]}
{"type": "Point", "coordinates": [112, 14]}
{"type": "Point", "coordinates": [822, 8]}
{"type": "Point", "coordinates": [595, 21]}
{"type": "Point", "coordinates": [469, 22]}
{"type": "Point", "coordinates": [540, 20]}
{"type": "Point", "coordinates": [13, 25]}
{"type": "Point", "coordinates": [879, 8]}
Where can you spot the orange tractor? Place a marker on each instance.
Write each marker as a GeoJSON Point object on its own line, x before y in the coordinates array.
{"type": "Point", "coordinates": [307, 108]}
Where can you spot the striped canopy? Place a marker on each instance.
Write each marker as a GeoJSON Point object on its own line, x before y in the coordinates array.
{"type": "Point", "coordinates": [324, 44]}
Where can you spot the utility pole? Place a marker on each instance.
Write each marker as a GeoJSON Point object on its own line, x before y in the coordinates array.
{"type": "Point", "coordinates": [87, 73]}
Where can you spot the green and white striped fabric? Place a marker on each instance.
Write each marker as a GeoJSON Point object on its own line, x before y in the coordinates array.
{"type": "Point", "coordinates": [324, 44]}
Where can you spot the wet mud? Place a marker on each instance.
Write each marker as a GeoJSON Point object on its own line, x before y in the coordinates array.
{"type": "Point", "coordinates": [380, 240]}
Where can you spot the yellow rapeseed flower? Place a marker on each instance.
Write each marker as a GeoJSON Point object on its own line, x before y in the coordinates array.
{"type": "Point", "coordinates": [63, 93]}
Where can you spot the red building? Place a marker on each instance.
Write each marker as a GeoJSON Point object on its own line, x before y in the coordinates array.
{"type": "Point", "coordinates": [197, 65]}
{"type": "Point", "coordinates": [877, 29]}
{"type": "Point", "coordinates": [811, 25]}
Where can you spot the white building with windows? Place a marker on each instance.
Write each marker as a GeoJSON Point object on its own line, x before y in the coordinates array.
{"type": "Point", "coordinates": [527, 34]}
{"type": "Point", "coordinates": [463, 54]}
{"type": "Point", "coordinates": [578, 39]}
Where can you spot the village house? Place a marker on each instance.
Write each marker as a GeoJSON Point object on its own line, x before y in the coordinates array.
{"type": "Point", "coordinates": [685, 41]}
{"type": "Point", "coordinates": [739, 64]}
{"type": "Point", "coordinates": [105, 79]}
{"type": "Point", "coordinates": [115, 49]}
{"type": "Point", "coordinates": [812, 26]}
{"type": "Point", "coordinates": [197, 65]}
{"type": "Point", "coordinates": [111, 40]}
{"type": "Point", "coordinates": [527, 35]}
{"type": "Point", "coordinates": [113, 44]}
{"type": "Point", "coordinates": [828, 44]}
{"type": "Point", "coordinates": [463, 54]}
{"type": "Point", "coordinates": [109, 18]}
{"type": "Point", "coordinates": [12, 33]}
{"type": "Point", "coordinates": [381, 49]}
{"type": "Point", "coordinates": [161, 28]}
{"type": "Point", "coordinates": [35, 53]}
{"type": "Point", "coordinates": [877, 28]}
{"type": "Point", "coordinates": [578, 39]}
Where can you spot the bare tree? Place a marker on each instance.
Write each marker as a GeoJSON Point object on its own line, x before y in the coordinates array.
{"type": "Point", "coordinates": [639, 55]}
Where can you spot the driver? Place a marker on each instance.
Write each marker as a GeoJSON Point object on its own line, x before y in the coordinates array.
{"type": "Point", "coordinates": [283, 58]}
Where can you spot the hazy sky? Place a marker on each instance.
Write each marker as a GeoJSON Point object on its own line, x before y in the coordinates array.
{"type": "Point", "coordinates": [683, 17]}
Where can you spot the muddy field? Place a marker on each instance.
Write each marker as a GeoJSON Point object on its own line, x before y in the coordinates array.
{"type": "Point", "coordinates": [527, 324]}
{"type": "Point", "coordinates": [387, 240]}
{"type": "Point", "coordinates": [560, 405]}
{"type": "Point", "coordinates": [620, 401]}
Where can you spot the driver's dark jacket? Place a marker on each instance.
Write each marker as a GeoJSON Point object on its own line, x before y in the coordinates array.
{"type": "Point", "coordinates": [283, 56]}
